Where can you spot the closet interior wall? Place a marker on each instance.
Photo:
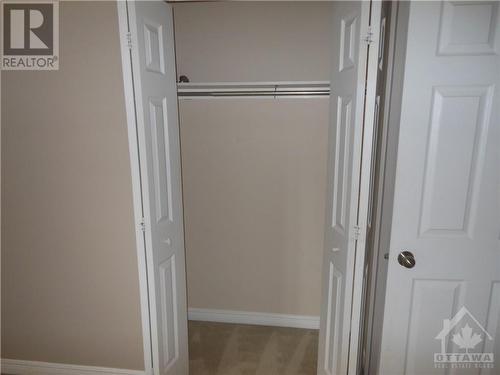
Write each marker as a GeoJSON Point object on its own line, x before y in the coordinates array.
{"type": "Point", "coordinates": [254, 169]}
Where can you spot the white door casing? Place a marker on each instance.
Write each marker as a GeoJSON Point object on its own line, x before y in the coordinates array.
{"type": "Point", "coordinates": [350, 136]}
{"type": "Point", "coordinates": [374, 254]}
{"type": "Point", "coordinates": [446, 202]}
{"type": "Point", "coordinates": [152, 53]}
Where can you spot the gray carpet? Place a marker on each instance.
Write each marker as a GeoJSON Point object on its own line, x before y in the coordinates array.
{"type": "Point", "coordinates": [235, 349]}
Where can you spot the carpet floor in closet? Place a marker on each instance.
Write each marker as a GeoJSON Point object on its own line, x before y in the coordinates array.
{"type": "Point", "coordinates": [236, 349]}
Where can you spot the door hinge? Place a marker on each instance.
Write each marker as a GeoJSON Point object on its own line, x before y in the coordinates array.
{"type": "Point", "coordinates": [357, 232]}
{"type": "Point", "coordinates": [368, 38]}
{"type": "Point", "coordinates": [142, 225]}
{"type": "Point", "coordinates": [128, 36]}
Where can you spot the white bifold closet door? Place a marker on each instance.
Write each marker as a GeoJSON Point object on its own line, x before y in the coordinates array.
{"type": "Point", "coordinates": [354, 69]}
{"type": "Point", "coordinates": [153, 61]}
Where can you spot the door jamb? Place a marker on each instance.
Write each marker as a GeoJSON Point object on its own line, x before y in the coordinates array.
{"type": "Point", "coordinates": [135, 167]}
{"type": "Point", "coordinates": [380, 205]}
{"type": "Point", "coordinates": [394, 87]}
{"type": "Point", "coordinates": [363, 182]}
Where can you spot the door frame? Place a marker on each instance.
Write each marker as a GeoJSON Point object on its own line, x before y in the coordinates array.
{"type": "Point", "coordinates": [143, 253]}
{"type": "Point", "coordinates": [362, 181]}
{"type": "Point", "coordinates": [382, 208]}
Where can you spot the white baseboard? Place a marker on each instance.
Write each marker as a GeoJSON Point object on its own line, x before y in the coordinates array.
{"type": "Point", "coordinates": [245, 317]}
{"type": "Point", "coordinates": [19, 367]}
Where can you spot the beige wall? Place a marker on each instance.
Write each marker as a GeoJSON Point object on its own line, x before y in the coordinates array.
{"type": "Point", "coordinates": [254, 175]}
{"type": "Point", "coordinates": [69, 269]}
{"type": "Point", "coordinates": [253, 41]}
{"type": "Point", "coordinates": [254, 170]}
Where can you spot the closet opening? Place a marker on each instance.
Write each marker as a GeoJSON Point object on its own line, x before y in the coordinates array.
{"type": "Point", "coordinates": [254, 104]}
{"type": "Point", "coordinates": [252, 260]}
{"type": "Point", "coordinates": [253, 121]}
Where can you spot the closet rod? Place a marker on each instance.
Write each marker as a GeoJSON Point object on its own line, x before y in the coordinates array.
{"type": "Point", "coordinates": [253, 89]}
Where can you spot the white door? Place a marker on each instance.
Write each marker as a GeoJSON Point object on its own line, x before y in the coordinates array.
{"type": "Point", "coordinates": [153, 62]}
{"type": "Point", "coordinates": [350, 135]}
{"type": "Point", "coordinates": [446, 204]}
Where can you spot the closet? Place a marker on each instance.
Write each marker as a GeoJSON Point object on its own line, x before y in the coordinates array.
{"type": "Point", "coordinates": [254, 157]}
{"type": "Point", "coordinates": [253, 125]}
{"type": "Point", "coordinates": [268, 109]}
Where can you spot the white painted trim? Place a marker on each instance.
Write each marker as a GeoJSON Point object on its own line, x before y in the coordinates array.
{"type": "Point", "coordinates": [257, 318]}
{"type": "Point", "coordinates": [383, 206]}
{"type": "Point", "coordinates": [136, 182]}
{"type": "Point", "coordinates": [20, 367]}
{"type": "Point", "coordinates": [368, 69]}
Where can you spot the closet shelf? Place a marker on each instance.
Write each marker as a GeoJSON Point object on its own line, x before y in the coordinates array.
{"type": "Point", "coordinates": [300, 89]}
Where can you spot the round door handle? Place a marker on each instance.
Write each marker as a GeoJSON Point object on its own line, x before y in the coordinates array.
{"type": "Point", "coordinates": [406, 259]}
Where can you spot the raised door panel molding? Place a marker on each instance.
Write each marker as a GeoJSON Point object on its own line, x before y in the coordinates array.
{"type": "Point", "coordinates": [446, 298]}
{"type": "Point", "coordinates": [162, 168]}
{"type": "Point", "coordinates": [154, 53]}
{"type": "Point", "coordinates": [169, 308]}
{"type": "Point", "coordinates": [341, 177]}
{"type": "Point", "coordinates": [468, 28]}
{"type": "Point", "coordinates": [332, 350]}
{"type": "Point", "coordinates": [460, 117]}
{"type": "Point", "coordinates": [348, 38]}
